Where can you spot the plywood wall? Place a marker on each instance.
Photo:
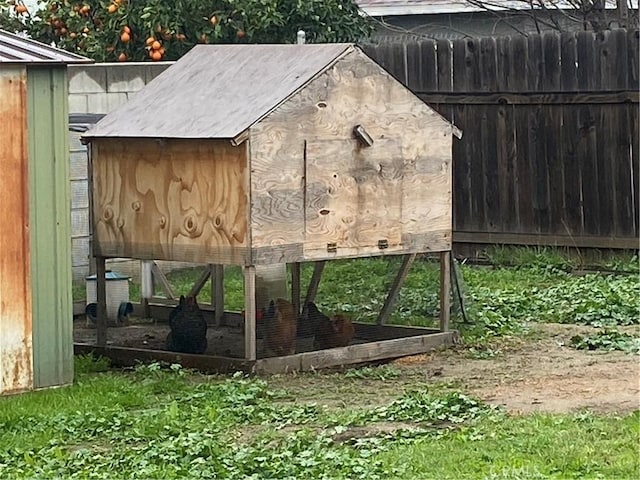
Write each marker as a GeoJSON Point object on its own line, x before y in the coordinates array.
{"type": "Point", "coordinates": [314, 185]}
{"type": "Point", "coordinates": [182, 200]}
{"type": "Point", "coordinates": [16, 357]}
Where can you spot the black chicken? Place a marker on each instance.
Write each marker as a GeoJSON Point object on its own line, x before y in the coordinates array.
{"type": "Point", "coordinates": [188, 327]}
{"type": "Point", "coordinates": [308, 320]}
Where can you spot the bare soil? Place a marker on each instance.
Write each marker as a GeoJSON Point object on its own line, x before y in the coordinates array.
{"type": "Point", "coordinates": [537, 373]}
{"type": "Point", "coordinates": [542, 373]}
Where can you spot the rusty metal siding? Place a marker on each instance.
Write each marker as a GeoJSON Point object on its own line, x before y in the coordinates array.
{"type": "Point", "coordinates": [50, 226]}
{"type": "Point", "coordinates": [16, 370]}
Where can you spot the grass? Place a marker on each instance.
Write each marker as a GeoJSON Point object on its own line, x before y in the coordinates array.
{"type": "Point", "coordinates": [153, 422]}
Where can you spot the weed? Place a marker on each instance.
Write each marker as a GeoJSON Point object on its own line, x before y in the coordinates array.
{"type": "Point", "coordinates": [607, 340]}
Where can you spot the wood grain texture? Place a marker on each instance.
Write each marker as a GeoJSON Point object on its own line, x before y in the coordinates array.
{"type": "Point", "coordinates": [312, 184]}
{"type": "Point", "coordinates": [16, 364]}
{"type": "Point", "coordinates": [170, 200]}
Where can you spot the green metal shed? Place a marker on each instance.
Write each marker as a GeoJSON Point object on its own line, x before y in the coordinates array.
{"type": "Point", "coordinates": [36, 342]}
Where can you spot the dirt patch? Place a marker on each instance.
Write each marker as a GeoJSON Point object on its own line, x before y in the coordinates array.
{"type": "Point", "coordinates": [543, 374]}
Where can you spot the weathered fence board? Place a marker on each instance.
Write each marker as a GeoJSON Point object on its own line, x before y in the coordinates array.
{"type": "Point", "coordinates": [550, 122]}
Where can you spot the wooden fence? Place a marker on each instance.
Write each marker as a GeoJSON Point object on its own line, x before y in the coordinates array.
{"type": "Point", "coordinates": [549, 153]}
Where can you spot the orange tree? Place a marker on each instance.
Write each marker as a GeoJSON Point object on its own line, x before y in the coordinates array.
{"type": "Point", "coordinates": [110, 30]}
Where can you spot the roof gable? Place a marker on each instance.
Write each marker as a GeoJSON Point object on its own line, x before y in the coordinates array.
{"type": "Point", "coordinates": [218, 91]}
{"type": "Point", "coordinates": [15, 49]}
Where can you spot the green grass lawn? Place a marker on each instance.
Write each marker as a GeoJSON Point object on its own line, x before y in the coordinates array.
{"type": "Point", "coordinates": [169, 423]}
{"type": "Point", "coordinates": [372, 422]}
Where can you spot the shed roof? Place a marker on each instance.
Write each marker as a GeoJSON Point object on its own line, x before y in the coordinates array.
{"type": "Point", "coordinates": [379, 8]}
{"type": "Point", "coordinates": [15, 49]}
{"type": "Point", "coordinates": [218, 91]}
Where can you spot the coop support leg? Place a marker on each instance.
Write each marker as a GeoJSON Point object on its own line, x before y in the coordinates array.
{"type": "Point", "coordinates": [312, 290]}
{"type": "Point", "coordinates": [197, 287]}
{"type": "Point", "coordinates": [394, 291]}
{"type": "Point", "coordinates": [250, 312]}
{"type": "Point", "coordinates": [217, 293]}
{"type": "Point", "coordinates": [146, 285]}
{"type": "Point", "coordinates": [295, 287]}
{"type": "Point", "coordinates": [445, 290]}
{"type": "Point", "coordinates": [101, 300]}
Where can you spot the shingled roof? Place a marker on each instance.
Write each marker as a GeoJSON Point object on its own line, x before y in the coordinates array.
{"type": "Point", "coordinates": [15, 49]}
{"type": "Point", "coordinates": [218, 91]}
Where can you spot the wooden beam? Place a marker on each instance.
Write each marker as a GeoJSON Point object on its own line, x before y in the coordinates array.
{"type": "Point", "coordinates": [312, 290]}
{"type": "Point", "coordinates": [295, 286]}
{"type": "Point", "coordinates": [372, 332]}
{"type": "Point", "coordinates": [101, 300]}
{"type": "Point", "coordinates": [146, 285]}
{"type": "Point", "coordinates": [162, 279]}
{"type": "Point", "coordinates": [354, 354]}
{"type": "Point", "coordinates": [445, 290]}
{"type": "Point", "coordinates": [128, 357]}
{"type": "Point", "coordinates": [197, 286]}
{"type": "Point", "coordinates": [217, 292]}
{"type": "Point", "coordinates": [250, 312]}
{"type": "Point", "coordinates": [584, 241]}
{"type": "Point", "coordinates": [394, 291]}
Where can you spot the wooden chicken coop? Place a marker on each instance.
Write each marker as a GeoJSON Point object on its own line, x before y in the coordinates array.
{"type": "Point", "coordinates": [264, 154]}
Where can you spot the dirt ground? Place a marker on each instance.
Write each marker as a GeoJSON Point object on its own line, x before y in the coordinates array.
{"type": "Point", "coordinates": [542, 374]}
{"type": "Point", "coordinates": [537, 373]}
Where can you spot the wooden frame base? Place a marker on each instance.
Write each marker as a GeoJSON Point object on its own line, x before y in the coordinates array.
{"type": "Point", "coordinates": [382, 342]}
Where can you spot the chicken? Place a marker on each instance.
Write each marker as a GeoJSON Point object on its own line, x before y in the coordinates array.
{"type": "Point", "coordinates": [280, 328]}
{"type": "Point", "coordinates": [306, 323]}
{"type": "Point", "coordinates": [333, 332]}
{"type": "Point", "coordinates": [188, 327]}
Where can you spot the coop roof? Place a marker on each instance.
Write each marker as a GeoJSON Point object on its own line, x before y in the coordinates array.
{"type": "Point", "coordinates": [218, 91]}
{"type": "Point", "coordinates": [15, 49]}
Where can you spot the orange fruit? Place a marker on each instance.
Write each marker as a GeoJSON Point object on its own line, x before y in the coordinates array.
{"type": "Point", "coordinates": [85, 9]}
{"type": "Point", "coordinates": [149, 41]}
{"type": "Point", "coordinates": [126, 29]}
{"type": "Point", "coordinates": [63, 31]}
{"type": "Point", "coordinates": [21, 9]}
{"type": "Point", "coordinates": [73, 35]}
{"type": "Point", "coordinates": [241, 34]}
{"type": "Point", "coordinates": [112, 8]}
{"type": "Point", "coordinates": [156, 55]}
{"type": "Point", "coordinates": [214, 20]}
{"type": "Point", "coordinates": [125, 37]}
{"type": "Point", "coordinates": [122, 57]}
{"type": "Point", "coordinates": [156, 45]}
{"type": "Point", "coordinates": [204, 38]}
{"type": "Point", "coordinates": [85, 30]}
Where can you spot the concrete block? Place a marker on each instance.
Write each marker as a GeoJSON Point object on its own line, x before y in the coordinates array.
{"type": "Point", "coordinates": [77, 103]}
{"type": "Point", "coordinates": [74, 142]}
{"type": "Point", "coordinates": [79, 194]}
{"type": "Point", "coordinates": [125, 78]}
{"type": "Point", "coordinates": [79, 165]}
{"type": "Point", "coordinates": [87, 79]}
{"type": "Point", "coordinates": [155, 69]}
{"type": "Point", "coordinates": [105, 102]}
{"type": "Point", "coordinates": [79, 222]}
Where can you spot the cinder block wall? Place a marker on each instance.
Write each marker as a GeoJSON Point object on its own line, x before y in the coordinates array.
{"type": "Point", "coordinates": [99, 89]}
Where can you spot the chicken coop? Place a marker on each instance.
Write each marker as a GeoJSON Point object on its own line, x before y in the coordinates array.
{"type": "Point", "coordinates": [267, 154]}
{"type": "Point", "coordinates": [36, 344]}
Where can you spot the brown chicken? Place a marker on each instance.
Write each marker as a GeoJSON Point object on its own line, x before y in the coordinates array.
{"type": "Point", "coordinates": [281, 326]}
{"type": "Point", "coordinates": [333, 332]}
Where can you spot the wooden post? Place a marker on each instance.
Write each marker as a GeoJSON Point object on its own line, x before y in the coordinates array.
{"type": "Point", "coordinates": [250, 312]}
{"type": "Point", "coordinates": [217, 293]}
{"type": "Point", "coordinates": [445, 290]}
{"type": "Point", "coordinates": [101, 300]}
{"type": "Point", "coordinates": [312, 290]}
{"type": "Point", "coordinates": [390, 302]}
{"type": "Point", "coordinates": [146, 285]}
{"type": "Point", "coordinates": [204, 276]}
{"type": "Point", "coordinates": [295, 286]}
